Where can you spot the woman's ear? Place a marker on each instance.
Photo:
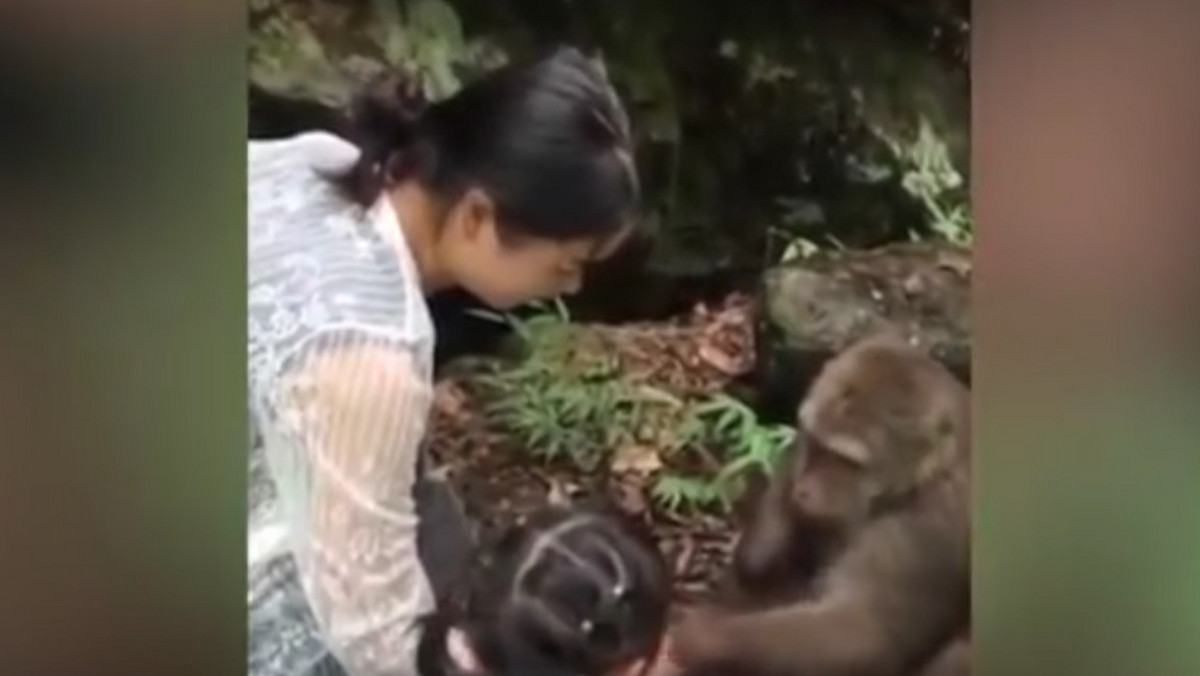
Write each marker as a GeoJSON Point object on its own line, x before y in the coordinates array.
{"type": "Point", "coordinates": [473, 217]}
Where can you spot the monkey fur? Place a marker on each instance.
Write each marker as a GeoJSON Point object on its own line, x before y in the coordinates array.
{"type": "Point", "coordinates": [879, 488]}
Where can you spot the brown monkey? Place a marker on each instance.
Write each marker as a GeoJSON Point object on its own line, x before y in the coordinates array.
{"type": "Point", "coordinates": [886, 464]}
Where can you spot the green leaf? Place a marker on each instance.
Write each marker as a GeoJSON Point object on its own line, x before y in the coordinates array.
{"type": "Point", "coordinates": [561, 310]}
{"type": "Point", "coordinates": [729, 419]}
{"type": "Point", "coordinates": [675, 493]}
{"type": "Point", "coordinates": [490, 316]}
{"type": "Point", "coordinates": [736, 467]}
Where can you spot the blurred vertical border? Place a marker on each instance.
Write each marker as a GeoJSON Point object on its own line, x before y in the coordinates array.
{"type": "Point", "coordinates": [1087, 547]}
{"type": "Point", "coordinates": [122, 333]}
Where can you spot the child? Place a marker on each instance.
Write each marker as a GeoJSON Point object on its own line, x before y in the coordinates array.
{"type": "Point", "coordinates": [572, 591]}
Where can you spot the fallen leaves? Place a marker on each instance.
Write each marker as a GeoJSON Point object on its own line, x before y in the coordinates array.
{"type": "Point", "coordinates": [449, 399]}
{"type": "Point", "coordinates": [560, 492]}
{"type": "Point", "coordinates": [630, 497]}
{"type": "Point", "coordinates": [639, 459]}
{"type": "Point", "coordinates": [727, 338]}
{"type": "Point", "coordinates": [958, 263]}
{"type": "Point", "coordinates": [721, 360]}
{"type": "Point", "coordinates": [665, 363]}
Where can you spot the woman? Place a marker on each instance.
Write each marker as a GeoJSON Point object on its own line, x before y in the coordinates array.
{"type": "Point", "coordinates": [506, 189]}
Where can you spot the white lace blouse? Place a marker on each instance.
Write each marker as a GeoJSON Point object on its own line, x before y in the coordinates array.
{"type": "Point", "coordinates": [340, 368]}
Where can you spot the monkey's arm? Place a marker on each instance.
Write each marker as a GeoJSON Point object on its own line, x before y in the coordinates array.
{"type": "Point", "coordinates": [762, 551]}
{"type": "Point", "coordinates": [832, 636]}
{"type": "Point", "coordinates": [880, 605]}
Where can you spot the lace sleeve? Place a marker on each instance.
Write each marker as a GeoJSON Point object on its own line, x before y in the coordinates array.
{"type": "Point", "coordinates": [356, 410]}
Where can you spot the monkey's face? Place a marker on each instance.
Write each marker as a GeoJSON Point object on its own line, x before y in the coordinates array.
{"type": "Point", "coordinates": [829, 487]}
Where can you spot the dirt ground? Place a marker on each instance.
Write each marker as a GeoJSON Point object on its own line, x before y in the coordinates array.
{"type": "Point", "coordinates": [700, 353]}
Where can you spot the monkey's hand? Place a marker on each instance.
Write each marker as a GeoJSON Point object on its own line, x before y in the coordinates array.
{"type": "Point", "coordinates": [698, 638]}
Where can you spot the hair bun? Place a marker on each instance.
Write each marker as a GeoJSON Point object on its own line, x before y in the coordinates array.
{"type": "Point", "coordinates": [383, 122]}
{"type": "Point", "coordinates": [387, 110]}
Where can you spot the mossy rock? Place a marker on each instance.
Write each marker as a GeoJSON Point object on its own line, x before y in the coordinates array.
{"type": "Point", "coordinates": [814, 308]}
{"type": "Point", "coordinates": [319, 52]}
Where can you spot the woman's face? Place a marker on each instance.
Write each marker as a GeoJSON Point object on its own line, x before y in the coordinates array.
{"type": "Point", "coordinates": [505, 274]}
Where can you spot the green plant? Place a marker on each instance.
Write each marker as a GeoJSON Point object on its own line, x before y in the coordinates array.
{"type": "Point", "coordinates": [746, 445]}
{"type": "Point", "coordinates": [927, 173]}
{"type": "Point", "coordinates": [555, 419]}
{"type": "Point", "coordinates": [931, 178]}
{"type": "Point", "coordinates": [543, 326]}
{"type": "Point", "coordinates": [550, 406]}
{"type": "Point", "coordinates": [424, 37]}
{"type": "Point", "coordinates": [678, 494]}
{"type": "Point", "coordinates": [558, 405]}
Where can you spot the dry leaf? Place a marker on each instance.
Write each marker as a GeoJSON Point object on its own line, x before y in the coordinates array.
{"type": "Point", "coordinates": [960, 265]}
{"type": "Point", "coordinates": [722, 360]}
{"type": "Point", "coordinates": [684, 560]}
{"type": "Point", "coordinates": [630, 498]}
{"type": "Point", "coordinates": [558, 494]}
{"type": "Point", "coordinates": [636, 459]}
{"type": "Point", "coordinates": [449, 399]}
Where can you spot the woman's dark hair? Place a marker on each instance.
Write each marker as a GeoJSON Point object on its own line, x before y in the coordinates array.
{"type": "Point", "coordinates": [548, 141]}
{"type": "Point", "coordinates": [572, 591]}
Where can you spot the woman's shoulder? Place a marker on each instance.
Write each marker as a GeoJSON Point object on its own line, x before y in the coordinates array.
{"type": "Point", "coordinates": [289, 179]}
{"type": "Point", "coordinates": [318, 151]}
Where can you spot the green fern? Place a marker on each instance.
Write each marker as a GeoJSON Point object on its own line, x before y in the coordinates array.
{"type": "Point", "coordinates": [677, 494]}
{"type": "Point", "coordinates": [584, 414]}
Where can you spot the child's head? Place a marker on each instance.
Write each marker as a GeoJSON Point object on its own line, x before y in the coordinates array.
{"type": "Point", "coordinates": [572, 591]}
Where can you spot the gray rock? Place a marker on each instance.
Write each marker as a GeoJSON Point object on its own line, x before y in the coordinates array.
{"type": "Point", "coordinates": [812, 309]}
